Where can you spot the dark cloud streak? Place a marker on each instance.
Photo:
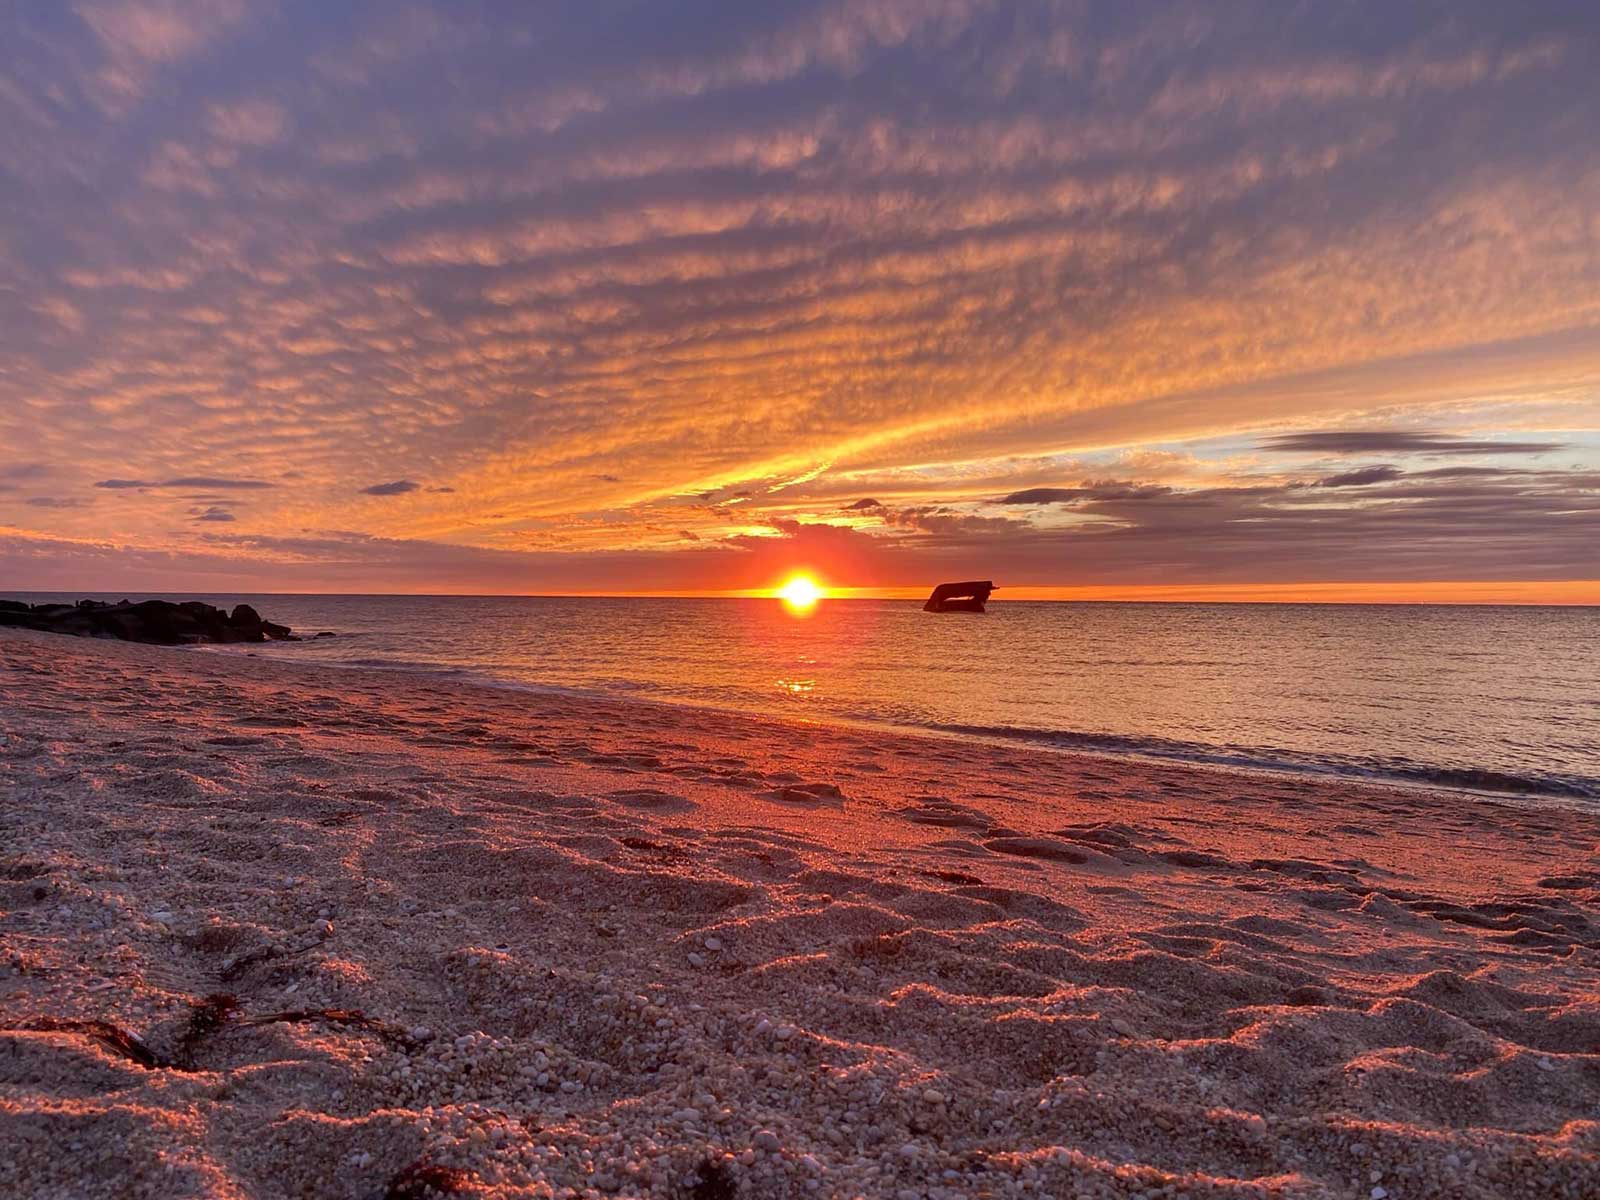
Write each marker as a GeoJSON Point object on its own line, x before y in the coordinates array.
{"type": "Point", "coordinates": [189, 481]}
{"type": "Point", "coordinates": [1398, 441]}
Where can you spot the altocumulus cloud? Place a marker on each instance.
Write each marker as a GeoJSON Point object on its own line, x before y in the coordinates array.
{"type": "Point", "coordinates": [518, 247]}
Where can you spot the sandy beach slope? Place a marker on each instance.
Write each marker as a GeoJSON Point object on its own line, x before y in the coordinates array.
{"type": "Point", "coordinates": [273, 931]}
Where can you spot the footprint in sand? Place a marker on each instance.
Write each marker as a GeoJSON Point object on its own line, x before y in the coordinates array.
{"type": "Point", "coordinates": [932, 810]}
{"type": "Point", "coordinates": [809, 794]}
{"type": "Point", "coordinates": [653, 799]}
{"type": "Point", "coordinates": [1046, 848]}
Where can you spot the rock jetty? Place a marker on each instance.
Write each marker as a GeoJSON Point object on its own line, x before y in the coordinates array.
{"type": "Point", "coordinates": [160, 622]}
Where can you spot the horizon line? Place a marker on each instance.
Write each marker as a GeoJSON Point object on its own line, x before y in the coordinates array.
{"type": "Point", "coordinates": [1500, 593]}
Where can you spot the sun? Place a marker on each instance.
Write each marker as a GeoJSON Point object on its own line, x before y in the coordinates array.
{"type": "Point", "coordinates": [800, 593]}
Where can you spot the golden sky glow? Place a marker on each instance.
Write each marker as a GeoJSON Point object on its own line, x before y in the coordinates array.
{"type": "Point", "coordinates": [1121, 300]}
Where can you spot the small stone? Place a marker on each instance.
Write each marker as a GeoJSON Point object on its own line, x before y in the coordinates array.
{"type": "Point", "coordinates": [768, 1141]}
{"type": "Point", "coordinates": [933, 1096]}
{"type": "Point", "coordinates": [713, 943]}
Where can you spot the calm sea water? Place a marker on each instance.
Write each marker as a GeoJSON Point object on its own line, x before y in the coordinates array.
{"type": "Point", "coordinates": [1498, 699]}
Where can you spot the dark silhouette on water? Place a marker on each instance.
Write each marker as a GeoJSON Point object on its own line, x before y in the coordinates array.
{"type": "Point", "coordinates": [960, 597]}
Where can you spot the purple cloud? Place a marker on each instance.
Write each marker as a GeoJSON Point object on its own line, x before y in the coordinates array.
{"type": "Point", "coordinates": [1399, 441]}
{"type": "Point", "coordinates": [187, 481]}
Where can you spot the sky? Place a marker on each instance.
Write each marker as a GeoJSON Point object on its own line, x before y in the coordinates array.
{"type": "Point", "coordinates": [1114, 299]}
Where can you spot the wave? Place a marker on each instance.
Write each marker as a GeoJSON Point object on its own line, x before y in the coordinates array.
{"type": "Point", "coordinates": [1476, 779]}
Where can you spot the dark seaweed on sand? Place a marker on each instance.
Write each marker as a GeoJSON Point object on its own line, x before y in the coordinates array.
{"type": "Point", "coordinates": [205, 1018]}
{"type": "Point", "coordinates": [244, 962]}
{"type": "Point", "coordinates": [112, 1037]}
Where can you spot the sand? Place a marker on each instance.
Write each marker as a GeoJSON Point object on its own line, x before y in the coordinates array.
{"type": "Point", "coordinates": [519, 944]}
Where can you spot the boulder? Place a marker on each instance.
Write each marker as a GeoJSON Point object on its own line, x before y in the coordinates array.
{"type": "Point", "coordinates": [244, 615]}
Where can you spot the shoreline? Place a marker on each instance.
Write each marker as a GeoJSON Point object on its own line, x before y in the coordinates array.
{"type": "Point", "coordinates": [652, 949]}
{"type": "Point", "coordinates": [1531, 790]}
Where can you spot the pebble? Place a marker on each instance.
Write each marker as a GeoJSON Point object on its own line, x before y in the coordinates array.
{"type": "Point", "coordinates": [767, 1141]}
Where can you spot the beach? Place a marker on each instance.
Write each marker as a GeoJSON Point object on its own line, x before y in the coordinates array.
{"type": "Point", "coordinates": [269, 930]}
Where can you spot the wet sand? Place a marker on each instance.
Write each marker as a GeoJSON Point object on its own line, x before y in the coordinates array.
{"type": "Point", "coordinates": [274, 931]}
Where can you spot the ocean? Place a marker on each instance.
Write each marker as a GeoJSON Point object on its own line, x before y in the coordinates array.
{"type": "Point", "coordinates": [1496, 699]}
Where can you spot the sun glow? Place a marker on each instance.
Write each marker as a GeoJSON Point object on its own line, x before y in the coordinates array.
{"type": "Point", "coordinates": [800, 593]}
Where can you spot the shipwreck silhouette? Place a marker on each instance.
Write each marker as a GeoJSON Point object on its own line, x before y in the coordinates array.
{"type": "Point", "coordinates": [960, 597]}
